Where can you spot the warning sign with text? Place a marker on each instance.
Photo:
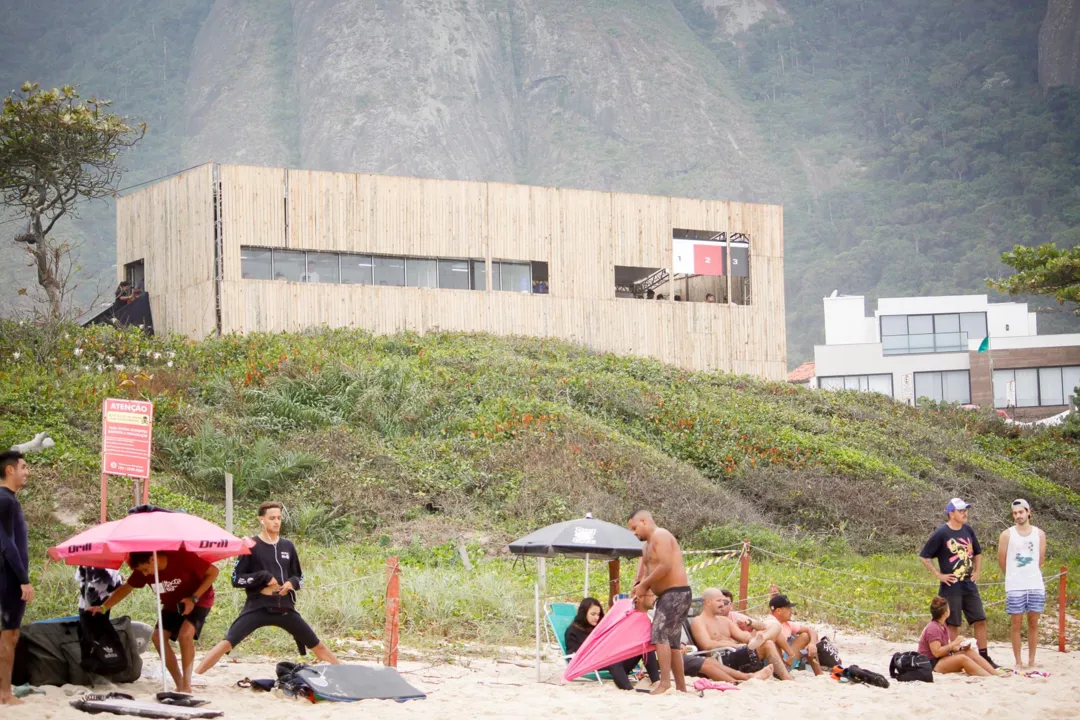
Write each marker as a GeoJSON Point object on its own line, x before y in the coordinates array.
{"type": "Point", "coordinates": [126, 427]}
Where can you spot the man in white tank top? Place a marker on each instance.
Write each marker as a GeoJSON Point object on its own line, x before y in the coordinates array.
{"type": "Point", "coordinates": [1021, 553]}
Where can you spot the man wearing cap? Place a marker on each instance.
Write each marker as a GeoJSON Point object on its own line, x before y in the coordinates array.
{"type": "Point", "coordinates": [959, 558]}
{"type": "Point", "coordinates": [1021, 554]}
{"type": "Point", "coordinates": [794, 638]}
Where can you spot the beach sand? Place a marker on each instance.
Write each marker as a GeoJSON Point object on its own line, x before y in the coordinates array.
{"type": "Point", "coordinates": [474, 686]}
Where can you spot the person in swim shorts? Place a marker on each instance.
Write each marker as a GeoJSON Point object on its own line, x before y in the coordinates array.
{"type": "Point", "coordinates": [661, 570]}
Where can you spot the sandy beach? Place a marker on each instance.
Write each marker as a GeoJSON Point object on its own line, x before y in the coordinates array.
{"type": "Point", "coordinates": [472, 686]}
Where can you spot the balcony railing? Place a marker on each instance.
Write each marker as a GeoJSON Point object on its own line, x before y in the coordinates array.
{"type": "Point", "coordinates": [924, 343]}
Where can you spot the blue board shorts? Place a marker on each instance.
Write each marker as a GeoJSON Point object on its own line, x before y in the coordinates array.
{"type": "Point", "coordinates": [1019, 602]}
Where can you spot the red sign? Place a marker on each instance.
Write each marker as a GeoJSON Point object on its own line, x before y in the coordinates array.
{"type": "Point", "coordinates": [708, 259]}
{"type": "Point", "coordinates": [126, 427]}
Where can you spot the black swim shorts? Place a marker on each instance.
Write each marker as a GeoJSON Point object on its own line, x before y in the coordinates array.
{"type": "Point", "coordinates": [12, 608]}
{"type": "Point", "coordinates": [970, 603]}
{"type": "Point", "coordinates": [742, 659]}
{"type": "Point", "coordinates": [692, 665]}
{"type": "Point", "coordinates": [290, 621]}
{"type": "Point", "coordinates": [172, 621]}
{"type": "Point", "coordinates": [670, 611]}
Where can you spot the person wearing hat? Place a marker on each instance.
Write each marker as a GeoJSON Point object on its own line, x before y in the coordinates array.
{"type": "Point", "coordinates": [1021, 554]}
{"type": "Point", "coordinates": [959, 559]}
{"type": "Point", "coordinates": [794, 639]}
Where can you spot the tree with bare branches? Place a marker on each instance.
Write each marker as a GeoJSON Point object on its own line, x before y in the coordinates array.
{"type": "Point", "coordinates": [57, 150]}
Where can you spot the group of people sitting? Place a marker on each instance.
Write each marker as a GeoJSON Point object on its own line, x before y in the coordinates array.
{"type": "Point", "coordinates": [651, 295]}
{"type": "Point", "coordinates": [723, 645]}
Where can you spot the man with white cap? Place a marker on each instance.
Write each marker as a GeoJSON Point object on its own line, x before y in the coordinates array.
{"type": "Point", "coordinates": [959, 558]}
{"type": "Point", "coordinates": [1021, 554]}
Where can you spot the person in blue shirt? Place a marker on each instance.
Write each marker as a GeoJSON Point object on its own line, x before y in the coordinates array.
{"type": "Point", "coordinates": [15, 588]}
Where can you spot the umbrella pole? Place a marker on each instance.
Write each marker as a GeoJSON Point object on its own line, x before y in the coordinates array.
{"type": "Point", "coordinates": [160, 624]}
{"type": "Point", "coordinates": [536, 613]}
{"type": "Point", "coordinates": [586, 574]}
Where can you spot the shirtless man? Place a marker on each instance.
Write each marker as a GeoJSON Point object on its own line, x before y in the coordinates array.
{"type": "Point", "coordinates": [744, 653]}
{"type": "Point", "coordinates": [793, 637]}
{"type": "Point", "coordinates": [661, 570]}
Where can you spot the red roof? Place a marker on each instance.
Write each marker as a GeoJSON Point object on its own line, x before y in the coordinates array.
{"type": "Point", "coordinates": [802, 373]}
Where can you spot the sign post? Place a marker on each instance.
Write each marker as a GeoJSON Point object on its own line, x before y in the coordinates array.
{"type": "Point", "coordinates": [126, 429]}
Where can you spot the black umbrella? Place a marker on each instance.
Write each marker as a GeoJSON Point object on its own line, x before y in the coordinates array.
{"type": "Point", "coordinates": [584, 538]}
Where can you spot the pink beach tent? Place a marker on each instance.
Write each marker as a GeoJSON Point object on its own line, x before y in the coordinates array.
{"type": "Point", "coordinates": [622, 634]}
{"type": "Point", "coordinates": [107, 545]}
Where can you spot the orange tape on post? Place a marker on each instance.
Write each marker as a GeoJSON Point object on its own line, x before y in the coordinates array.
{"type": "Point", "coordinates": [1061, 609]}
{"type": "Point", "coordinates": [393, 608]}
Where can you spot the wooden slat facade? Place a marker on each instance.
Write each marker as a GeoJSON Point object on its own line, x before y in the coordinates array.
{"type": "Point", "coordinates": [581, 235]}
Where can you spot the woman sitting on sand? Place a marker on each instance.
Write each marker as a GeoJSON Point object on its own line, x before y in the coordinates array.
{"type": "Point", "coordinates": [589, 614]}
{"type": "Point", "coordinates": [947, 656]}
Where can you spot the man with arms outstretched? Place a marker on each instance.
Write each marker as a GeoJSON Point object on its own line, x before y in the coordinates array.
{"type": "Point", "coordinates": [959, 558]}
{"type": "Point", "coordinates": [1021, 554]}
{"type": "Point", "coordinates": [15, 588]}
{"type": "Point", "coordinates": [661, 571]}
{"type": "Point", "coordinates": [270, 575]}
{"type": "Point", "coordinates": [744, 653]}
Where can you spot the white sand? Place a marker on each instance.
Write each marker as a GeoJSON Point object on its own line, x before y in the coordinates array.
{"type": "Point", "coordinates": [472, 687]}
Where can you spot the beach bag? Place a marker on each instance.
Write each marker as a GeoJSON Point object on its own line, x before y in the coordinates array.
{"type": "Point", "coordinates": [828, 655]}
{"type": "Point", "coordinates": [911, 666]}
{"type": "Point", "coordinates": [103, 653]}
{"type": "Point", "coordinates": [856, 674]}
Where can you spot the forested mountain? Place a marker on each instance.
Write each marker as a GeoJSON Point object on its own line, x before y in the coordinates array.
{"type": "Point", "coordinates": [909, 140]}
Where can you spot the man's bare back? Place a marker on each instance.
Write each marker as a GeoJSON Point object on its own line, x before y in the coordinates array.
{"type": "Point", "coordinates": [663, 551]}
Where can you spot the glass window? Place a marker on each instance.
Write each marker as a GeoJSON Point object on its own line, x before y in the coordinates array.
{"type": "Point", "coordinates": [356, 269]}
{"type": "Point", "coordinates": [956, 387]}
{"type": "Point", "coordinates": [1002, 378]}
{"type": "Point", "coordinates": [289, 265]}
{"type": "Point", "coordinates": [855, 382]}
{"type": "Point", "coordinates": [256, 263]}
{"type": "Point", "coordinates": [1050, 387]}
{"type": "Point", "coordinates": [881, 384]}
{"type": "Point", "coordinates": [1027, 388]}
{"type": "Point", "coordinates": [515, 277]}
{"type": "Point", "coordinates": [974, 324]}
{"type": "Point", "coordinates": [421, 273]}
{"type": "Point", "coordinates": [454, 274]}
{"type": "Point", "coordinates": [1070, 380]}
{"type": "Point", "coordinates": [949, 342]}
{"type": "Point", "coordinates": [946, 323]}
{"type": "Point", "coordinates": [479, 275]}
{"type": "Point", "coordinates": [831, 383]}
{"type": "Point", "coordinates": [928, 385]}
{"type": "Point", "coordinates": [921, 343]}
{"type": "Point", "coordinates": [321, 267]}
{"type": "Point", "coordinates": [920, 324]}
{"type": "Point", "coordinates": [894, 344]}
{"type": "Point", "coordinates": [389, 271]}
{"type": "Point", "coordinates": [893, 325]}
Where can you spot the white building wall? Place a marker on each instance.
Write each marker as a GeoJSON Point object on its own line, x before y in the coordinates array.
{"type": "Point", "coordinates": [931, 305]}
{"type": "Point", "coordinates": [846, 321]}
{"type": "Point", "coordinates": [866, 359]}
{"type": "Point", "coordinates": [1010, 320]}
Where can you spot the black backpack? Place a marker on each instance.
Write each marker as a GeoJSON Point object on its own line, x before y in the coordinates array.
{"type": "Point", "coordinates": [102, 651]}
{"type": "Point", "coordinates": [911, 666]}
{"type": "Point", "coordinates": [828, 655]}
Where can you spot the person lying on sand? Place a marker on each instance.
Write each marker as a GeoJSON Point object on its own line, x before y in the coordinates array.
{"type": "Point", "coordinates": [742, 654]}
{"type": "Point", "coordinates": [794, 639]}
{"type": "Point", "coordinates": [589, 614]}
{"type": "Point", "coordinates": [950, 656]}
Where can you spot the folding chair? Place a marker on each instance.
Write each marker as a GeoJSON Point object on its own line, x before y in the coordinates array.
{"type": "Point", "coordinates": [559, 617]}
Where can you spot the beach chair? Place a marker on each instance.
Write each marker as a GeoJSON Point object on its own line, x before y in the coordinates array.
{"type": "Point", "coordinates": [559, 617]}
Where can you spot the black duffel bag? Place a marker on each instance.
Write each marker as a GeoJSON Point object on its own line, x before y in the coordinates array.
{"type": "Point", "coordinates": [911, 666]}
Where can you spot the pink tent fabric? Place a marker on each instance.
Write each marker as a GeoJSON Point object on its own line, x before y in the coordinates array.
{"type": "Point", "coordinates": [622, 634]}
{"type": "Point", "coordinates": [107, 545]}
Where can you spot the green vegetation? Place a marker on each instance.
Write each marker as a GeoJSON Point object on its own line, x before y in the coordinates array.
{"type": "Point", "coordinates": [1044, 270]}
{"type": "Point", "coordinates": [404, 444]}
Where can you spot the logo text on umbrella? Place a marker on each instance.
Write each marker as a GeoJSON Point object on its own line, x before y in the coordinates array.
{"type": "Point", "coordinates": [584, 536]}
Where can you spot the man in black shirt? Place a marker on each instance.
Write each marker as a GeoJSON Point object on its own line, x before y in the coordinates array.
{"type": "Point", "coordinates": [271, 576]}
{"type": "Point", "coordinates": [959, 559]}
{"type": "Point", "coordinates": [15, 588]}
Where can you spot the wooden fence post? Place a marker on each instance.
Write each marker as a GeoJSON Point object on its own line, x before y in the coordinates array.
{"type": "Point", "coordinates": [1061, 609]}
{"type": "Point", "coordinates": [613, 581]}
{"type": "Point", "coordinates": [744, 575]}
{"type": "Point", "coordinates": [393, 607]}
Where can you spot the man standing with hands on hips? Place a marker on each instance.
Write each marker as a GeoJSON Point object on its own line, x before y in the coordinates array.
{"type": "Point", "coordinates": [959, 558]}
{"type": "Point", "coordinates": [1021, 554]}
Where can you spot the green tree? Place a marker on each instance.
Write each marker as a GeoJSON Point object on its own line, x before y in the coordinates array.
{"type": "Point", "coordinates": [1043, 270]}
{"type": "Point", "coordinates": [56, 151]}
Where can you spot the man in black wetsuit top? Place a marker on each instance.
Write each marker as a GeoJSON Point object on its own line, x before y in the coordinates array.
{"type": "Point", "coordinates": [271, 576]}
{"type": "Point", "coordinates": [15, 588]}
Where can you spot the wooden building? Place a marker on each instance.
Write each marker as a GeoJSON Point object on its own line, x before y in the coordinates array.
{"type": "Point", "coordinates": [225, 248]}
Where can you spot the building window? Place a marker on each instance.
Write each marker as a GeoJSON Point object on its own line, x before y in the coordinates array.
{"type": "Point", "coordinates": [479, 275]}
{"type": "Point", "coordinates": [950, 386]}
{"type": "Point", "coordinates": [917, 334]}
{"type": "Point", "coordinates": [289, 265]}
{"type": "Point", "coordinates": [389, 271]}
{"type": "Point", "coordinates": [135, 273]}
{"type": "Point", "coordinates": [879, 383]}
{"type": "Point", "coordinates": [321, 267]}
{"type": "Point", "coordinates": [356, 270]}
{"type": "Point", "coordinates": [511, 276]}
{"type": "Point", "coordinates": [1035, 387]}
{"type": "Point", "coordinates": [421, 272]}
{"type": "Point", "coordinates": [454, 274]}
{"type": "Point", "coordinates": [256, 263]}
